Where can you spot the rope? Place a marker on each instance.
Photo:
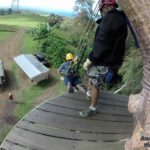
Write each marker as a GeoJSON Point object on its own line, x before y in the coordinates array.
{"type": "Point", "coordinates": [82, 43]}
{"type": "Point", "coordinates": [128, 83]}
{"type": "Point", "coordinates": [87, 29]}
{"type": "Point", "coordinates": [83, 40]}
{"type": "Point", "coordinates": [85, 33]}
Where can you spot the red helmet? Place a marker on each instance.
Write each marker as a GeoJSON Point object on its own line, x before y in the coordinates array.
{"type": "Point", "coordinates": [107, 2]}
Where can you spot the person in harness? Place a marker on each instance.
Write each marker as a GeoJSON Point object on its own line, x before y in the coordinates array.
{"type": "Point", "coordinates": [71, 78]}
{"type": "Point", "coordinates": [108, 51]}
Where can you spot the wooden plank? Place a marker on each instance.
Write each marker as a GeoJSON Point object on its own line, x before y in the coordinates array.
{"type": "Point", "coordinates": [38, 141]}
{"type": "Point", "coordinates": [77, 101]}
{"type": "Point", "coordinates": [6, 145]}
{"type": "Point", "coordinates": [81, 105]}
{"type": "Point", "coordinates": [105, 95]}
{"type": "Point", "coordinates": [71, 112]}
{"type": "Point", "coordinates": [102, 100]}
{"type": "Point", "coordinates": [67, 134]}
{"type": "Point", "coordinates": [110, 95]}
{"type": "Point", "coordinates": [56, 125]}
{"type": "Point", "coordinates": [98, 146]}
{"type": "Point", "coordinates": [78, 124]}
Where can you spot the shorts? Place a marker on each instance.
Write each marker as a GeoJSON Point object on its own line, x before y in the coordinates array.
{"type": "Point", "coordinates": [99, 75]}
{"type": "Point", "coordinates": [73, 81]}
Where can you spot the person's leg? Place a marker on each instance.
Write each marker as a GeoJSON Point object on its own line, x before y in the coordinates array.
{"type": "Point", "coordinates": [70, 88]}
{"type": "Point", "coordinates": [79, 86]}
{"type": "Point", "coordinates": [88, 92]}
{"type": "Point", "coordinates": [92, 110]}
{"type": "Point", "coordinates": [69, 85]}
{"type": "Point", "coordinates": [94, 95]}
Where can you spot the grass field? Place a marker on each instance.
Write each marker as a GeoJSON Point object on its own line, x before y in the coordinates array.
{"type": "Point", "coordinates": [4, 132]}
{"type": "Point", "coordinates": [4, 35]}
{"type": "Point", "coordinates": [23, 20]}
{"type": "Point", "coordinates": [29, 45]}
{"type": "Point", "coordinates": [29, 95]}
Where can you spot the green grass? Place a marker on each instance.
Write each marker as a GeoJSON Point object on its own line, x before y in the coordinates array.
{"type": "Point", "coordinates": [28, 44]}
{"type": "Point", "coordinates": [28, 98]}
{"type": "Point", "coordinates": [63, 34]}
{"type": "Point", "coordinates": [4, 131]}
{"type": "Point", "coordinates": [14, 74]}
{"type": "Point", "coordinates": [10, 28]}
{"type": "Point", "coordinates": [23, 20]}
{"type": "Point", "coordinates": [62, 87]}
{"type": "Point", "coordinates": [5, 36]}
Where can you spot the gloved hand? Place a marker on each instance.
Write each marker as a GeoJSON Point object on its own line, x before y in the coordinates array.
{"type": "Point", "coordinates": [87, 64]}
{"type": "Point", "coordinates": [76, 60]}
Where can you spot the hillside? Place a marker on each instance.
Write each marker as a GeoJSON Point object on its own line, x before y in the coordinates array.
{"type": "Point", "coordinates": [13, 41]}
{"type": "Point", "coordinates": [24, 20]}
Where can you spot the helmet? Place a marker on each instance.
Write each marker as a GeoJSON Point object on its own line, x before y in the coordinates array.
{"type": "Point", "coordinates": [107, 2]}
{"type": "Point", "coordinates": [69, 56]}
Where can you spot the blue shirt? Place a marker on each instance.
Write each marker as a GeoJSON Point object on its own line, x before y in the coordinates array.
{"type": "Point", "coordinates": [66, 70]}
{"type": "Point", "coordinates": [63, 69]}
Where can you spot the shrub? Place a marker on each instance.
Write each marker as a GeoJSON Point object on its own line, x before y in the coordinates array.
{"type": "Point", "coordinates": [131, 71]}
{"type": "Point", "coordinates": [55, 49]}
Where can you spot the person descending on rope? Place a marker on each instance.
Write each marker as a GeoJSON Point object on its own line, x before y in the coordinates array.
{"type": "Point", "coordinates": [108, 51]}
{"type": "Point", "coordinates": [71, 79]}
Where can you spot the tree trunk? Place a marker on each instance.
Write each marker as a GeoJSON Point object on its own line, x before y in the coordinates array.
{"type": "Point", "coordinates": [138, 12]}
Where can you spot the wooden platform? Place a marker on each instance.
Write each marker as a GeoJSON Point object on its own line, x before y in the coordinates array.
{"type": "Point", "coordinates": [56, 125]}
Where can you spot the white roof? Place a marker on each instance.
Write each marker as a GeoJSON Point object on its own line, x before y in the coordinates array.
{"type": "Point", "coordinates": [30, 65]}
{"type": "Point", "coordinates": [1, 69]}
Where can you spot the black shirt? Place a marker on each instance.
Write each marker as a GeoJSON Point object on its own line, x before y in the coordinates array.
{"type": "Point", "coordinates": [109, 43]}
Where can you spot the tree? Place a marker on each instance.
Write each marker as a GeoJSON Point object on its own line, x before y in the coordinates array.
{"type": "Point", "coordinates": [54, 20]}
{"type": "Point", "coordinates": [84, 11]}
{"type": "Point", "coordinates": [9, 11]}
{"type": "Point", "coordinates": [2, 12]}
{"type": "Point", "coordinates": [55, 48]}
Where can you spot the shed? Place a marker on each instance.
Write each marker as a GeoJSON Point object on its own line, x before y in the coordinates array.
{"type": "Point", "coordinates": [2, 74]}
{"type": "Point", "coordinates": [35, 70]}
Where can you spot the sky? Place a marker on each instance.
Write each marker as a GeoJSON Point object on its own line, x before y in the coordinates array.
{"type": "Point", "coordinates": [66, 5]}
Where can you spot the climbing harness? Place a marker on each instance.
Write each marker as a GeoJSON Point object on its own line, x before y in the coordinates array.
{"type": "Point", "coordinates": [82, 46]}
{"type": "Point", "coordinates": [132, 33]}
{"type": "Point", "coordinates": [100, 75]}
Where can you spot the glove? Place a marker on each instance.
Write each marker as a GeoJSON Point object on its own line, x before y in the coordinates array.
{"type": "Point", "coordinates": [76, 60]}
{"type": "Point", "coordinates": [87, 64]}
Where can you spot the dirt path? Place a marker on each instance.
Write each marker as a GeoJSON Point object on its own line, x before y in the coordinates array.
{"type": "Point", "coordinates": [11, 48]}
{"type": "Point", "coordinates": [8, 50]}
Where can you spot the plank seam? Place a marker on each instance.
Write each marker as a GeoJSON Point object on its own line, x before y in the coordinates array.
{"type": "Point", "coordinates": [57, 105]}
{"type": "Point", "coordinates": [94, 132]}
{"type": "Point", "coordinates": [99, 99]}
{"type": "Point", "coordinates": [80, 117]}
{"type": "Point", "coordinates": [72, 139]}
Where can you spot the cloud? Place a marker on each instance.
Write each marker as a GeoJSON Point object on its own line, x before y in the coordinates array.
{"type": "Point", "coordinates": [66, 5]}
{"type": "Point", "coordinates": [49, 4]}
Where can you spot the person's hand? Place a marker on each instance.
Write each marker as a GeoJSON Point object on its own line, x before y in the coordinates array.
{"type": "Point", "coordinates": [76, 60]}
{"type": "Point", "coordinates": [87, 64]}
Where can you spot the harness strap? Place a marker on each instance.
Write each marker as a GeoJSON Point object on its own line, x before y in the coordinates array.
{"type": "Point", "coordinates": [133, 33]}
